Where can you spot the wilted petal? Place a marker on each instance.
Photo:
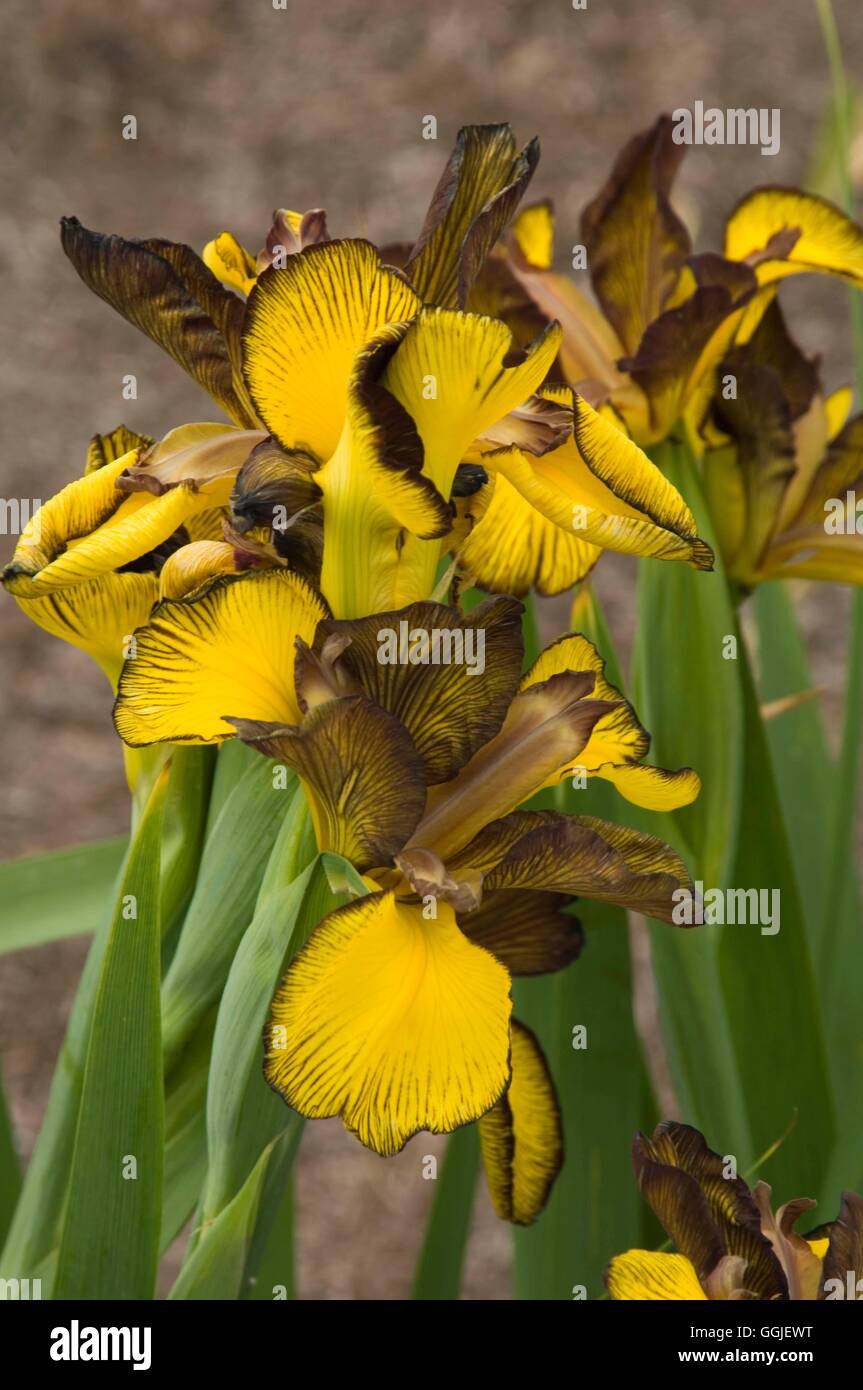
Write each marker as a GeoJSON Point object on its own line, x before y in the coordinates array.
{"type": "Point", "coordinates": [636, 244]}
{"type": "Point", "coordinates": [166, 290]}
{"type": "Point", "coordinates": [479, 190]}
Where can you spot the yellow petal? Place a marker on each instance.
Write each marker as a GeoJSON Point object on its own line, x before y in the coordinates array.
{"type": "Point", "coordinates": [454, 374]}
{"type": "Point", "coordinates": [98, 617]}
{"type": "Point", "coordinates": [305, 324]}
{"type": "Point", "coordinates": [382, 511]}
{"type": "Point", "coordinates": [230, 262]}
{"type": "Point", "coordinates": [228, 654]}
{"type": "Point", "coordinates": [75, 511]}
{"type": "Point", "coordinates": [512, 547]}
{"type": "Point", "coordinates": [652, 1276]}
{"type": "Point", "coordinates": [194, 565]}
{"type": "Point", "coordinates": [533, 234]}
{"type": "Point", "coordinates": [781, 231]}
{"type": "Point", "coordinates": [396, 1023]}
{"type": "Point", "coordinates": [521, 1139]}
{"type": "Point", "coordinates": [651, 787]}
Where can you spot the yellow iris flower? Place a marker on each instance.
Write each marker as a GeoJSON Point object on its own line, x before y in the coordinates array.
{"type": "Point", "coordinates": [396, 1014]}
{"type": "Point", "coordinates": [411, 425]}
{"type": "Point", "coordinates": [730, 1245]}
{"type": "Point", "coordinates": [784, 475]}
{"type": "Point", "coordinates": [649, 345]}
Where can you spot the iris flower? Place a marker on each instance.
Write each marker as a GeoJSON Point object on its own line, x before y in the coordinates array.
{"type": "Point", "coordinates": [146, 518]}
{"type": "Point", "coordinates": [663, 318]}
{"type": "Point", "coordinates": [730, 1245]}
{"type": "Point", "coordinates": [396, 1013]}
{"type": "Point", "coordinates": [411, 424]}
{"type": "Point", "coordinates": [784, 478]}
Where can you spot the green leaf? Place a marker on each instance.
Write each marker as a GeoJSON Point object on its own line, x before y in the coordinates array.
{"type": "Point", "coordinates": [232, 865]}
{"type": "Point", "coordinates": [688, 694]}
{"type": "Point", "coordinates": [594, 1210]}
{"type": "Point", "coordinates": [769, 987]}
{"type": "Point", "coordinates": [10, 1170]}
{"type": "Point", "coordinates": [109, 1245]}
{"type": "Point", "coordinates": [48, 897]}
{"type": "Point", "coordinates": [243, 1113]}
{"type": "Point", "coordinates": [801, 760]}
{"type": "Point", "coordinates": [217, 1268]}
{"type": "Point", "coordinates": [186, 1133]}
{"type": "Point", "coordinates": [185, 820]}
{"type": "Point", "coordinates": [276, 1270]}
{"type": "Point", "coordinates": [439, 1268]}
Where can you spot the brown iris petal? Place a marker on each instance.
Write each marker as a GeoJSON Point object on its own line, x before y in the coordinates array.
{"type": "Point", "coordinates": [636, 244]}
{"type": "Point", "coordinates": [449, 712]}
{"type": "Point", "coordinates": [528, 931]}
{"type": "Point", "coordinates": [166, 291]}
{"type": "Point", "coordinates": [361, 770]}
{"type": "Point", "coordinates": [734, 1212]}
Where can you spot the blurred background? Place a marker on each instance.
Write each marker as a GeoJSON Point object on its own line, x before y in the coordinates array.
{"type": "Point", "coordinates": [242, 108]}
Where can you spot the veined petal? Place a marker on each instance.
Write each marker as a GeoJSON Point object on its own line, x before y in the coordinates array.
{"type": "Point", "coordinates": [447, 677]}
{"type": "Point", "coordinates": [396, 1023]}
{"type": "Point", "coordinates": [98, 617]}
{"type": "Point", "coordinates": [527, 931]}
{"type": "Point", "coordinates": [479, 190]}
{"type": "Point", "coordinates": [226, 654]}
{"type": "Point", "coordinates": [230, 262]}
{"type": "Point", "coordinates": [305, 323]}
{"type": "Point", "coordinates": [563, 489]}
{"type": "Point", "coordinates": [545, 729]}
{"type": "Point", "coordinates": [707, 1214]}
{"type": "Point", "coordinates": [457, 375]}
{"type": "Point", "coordinates": [509, 547]}
{"type": "Point", "coordinates": [362, 774]}
{"type": "Point", "coordinates": [165, 289]}
{"type": "Point", "coordinates": [375, 488]}
{"type": "Point", "coordinates": [75, 511]}
{"type": "Point", "coordinates": [578, 855]}
{"type": "Point", "coordinates": [636, 244]}
{"type": "Point", "coordinates": [107, 448]}
{"type": "Point", "coordinates": [654, 788]}
{"type": "Point", "coordinates": [653, 1275]}
{"type": "Point", "coordinates": [780, 231]}
{"type": "Point", "coordinates": [521, 1138]}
